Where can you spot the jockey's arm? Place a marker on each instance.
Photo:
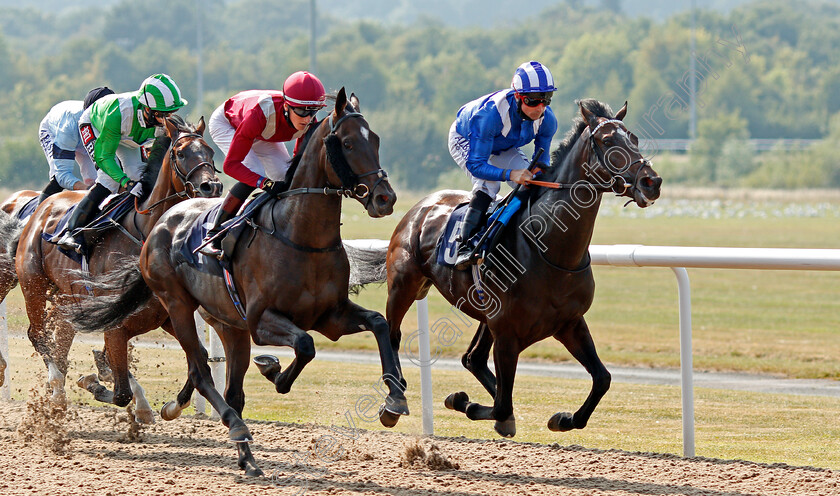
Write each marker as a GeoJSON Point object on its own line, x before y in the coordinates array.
{"type": "Point", "coordinates": [64, 152]}
{"type": "Point", "coordinates": [243, 139]}
{"type": "Point", "coordinates": [105, 154]}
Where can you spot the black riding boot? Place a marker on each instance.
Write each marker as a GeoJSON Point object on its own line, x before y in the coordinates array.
{"type": "Point", "coordinates": [52, 188]}
{"type": "Point", "coordinates": [85, 211]}
{"type": "Point", "coordinates": [230, 206]}
{"type": "Point", "coordinates": [470, 225]}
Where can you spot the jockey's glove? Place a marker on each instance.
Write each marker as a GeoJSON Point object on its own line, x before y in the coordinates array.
{"type": "Point", "coordinates": [274, 187]}
{"type": "Point", "coordinates": [135, 188]}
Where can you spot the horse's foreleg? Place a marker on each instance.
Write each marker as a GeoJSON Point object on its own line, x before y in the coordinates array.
{"type": "Point", "coordinates": [275, 329]}
{"type": "Point", "coordinates": [475, 359]}
{"type": "Point", "coordinates": [2, 370]}
{"type": "Point", "coordinates": [352, 318]}
{"type": "Point", "coordinates": [577, 339]}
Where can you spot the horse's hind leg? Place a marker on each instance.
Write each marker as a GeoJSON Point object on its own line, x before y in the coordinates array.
{"type": "Point", "coordinates": [577, 339]}
{"type": "Point", "coordinates": [475, 359]}
{"type": "Point", "coordinates": [406, 284]}
{"type": "Point", "coordinates": [505, 356]}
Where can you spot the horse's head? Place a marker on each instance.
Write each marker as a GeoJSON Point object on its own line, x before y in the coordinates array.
{"type": "Point", "coordinates": [191, 161]}
{"type": "Point", "coordinates": [615, 160]}
{"type": "Point", "coordinates": [352, 150]}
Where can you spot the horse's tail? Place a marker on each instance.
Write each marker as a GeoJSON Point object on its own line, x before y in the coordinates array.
{"type": "Point", "coordinates": [101, 313]}
{"type": "Point", "coordinates": [10, 229]}
{"type": "Point", "coordinates": [367, 262]}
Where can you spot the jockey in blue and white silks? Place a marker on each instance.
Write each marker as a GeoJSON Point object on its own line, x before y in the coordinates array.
{"type": "Point", "coordinates": [486, 136]}
{"type": "Point", "coordinates": [63, 147]}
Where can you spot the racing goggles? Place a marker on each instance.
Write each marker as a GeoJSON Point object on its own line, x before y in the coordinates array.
{"type": "Point", "coordinates": [306, 111]}
{"type": "Point", "coordinates": [533, 102]}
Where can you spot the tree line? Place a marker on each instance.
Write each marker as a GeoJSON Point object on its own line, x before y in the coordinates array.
{"type": "Point", "coordinates": [767, 69]}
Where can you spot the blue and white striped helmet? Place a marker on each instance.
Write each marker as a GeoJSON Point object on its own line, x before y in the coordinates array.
{"type": "Point", "coordinates": [532, 77]}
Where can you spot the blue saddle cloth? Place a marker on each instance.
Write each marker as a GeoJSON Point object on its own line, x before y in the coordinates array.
{"type": "Point", "coordinates": [447, 246]}
{"type": "Point", "coordinates": [114, 211]}
{"type": "Point", "coordinates": [28, 209]}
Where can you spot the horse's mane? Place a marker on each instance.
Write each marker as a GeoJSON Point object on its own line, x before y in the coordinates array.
{"type": "Point", "coordinates": [158, 152]}
{"type": "Point", "coordinates": [290, 172]}
{"type": "Point", "coordinates": [599, 109]}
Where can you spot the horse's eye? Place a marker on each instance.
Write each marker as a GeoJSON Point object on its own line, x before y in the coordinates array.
{"type": "Point", "coordinates": [348, 144]}
{"type": "Point", "coordinates": [180, 154]}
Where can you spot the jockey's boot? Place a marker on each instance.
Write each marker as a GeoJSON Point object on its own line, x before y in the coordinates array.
{"type": "Point", "coordinates": [472, 221]}
{"type": "Point", "coordinates": [85, 211]}
{"type": "Point", "coordinates": [227, 211]}
{"type": "Point", "coordinates": [52, 188]}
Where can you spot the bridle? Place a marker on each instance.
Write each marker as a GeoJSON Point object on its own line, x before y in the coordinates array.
{"type": "Point", "coordinates": [357, 190]}
{"type": "Point", "coordinates": [616, 181]}
{"type": "Point", "coordinates": [185, 191]}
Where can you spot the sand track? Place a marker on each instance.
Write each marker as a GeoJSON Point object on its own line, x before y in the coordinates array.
{"type": "Point", "coordinates": [192, 456]}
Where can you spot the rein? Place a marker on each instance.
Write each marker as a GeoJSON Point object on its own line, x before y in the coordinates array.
{"type": "Point", "coordinates": [184, 178]}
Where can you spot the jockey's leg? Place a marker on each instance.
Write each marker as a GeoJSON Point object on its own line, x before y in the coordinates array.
{"type": "Point", "coordinates": [52, 188]}
{"type": "Point", "coordinates": [85, 211]}
{"type": "Point", "coordinates": [230, 206]}
{"type": "Point", "coordinates": [472, 220]}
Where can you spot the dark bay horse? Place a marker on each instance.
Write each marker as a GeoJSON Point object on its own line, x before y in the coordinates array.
{"type": "Point", "coordinates": [290, 271]}
{"type": "Point", "coordinates": [180, 166]}
{"type": "Point", "coordinates": [538, 281]}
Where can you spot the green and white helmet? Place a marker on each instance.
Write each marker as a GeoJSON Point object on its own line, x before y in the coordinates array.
{"type": "Point", "coordinates": [159, 92]}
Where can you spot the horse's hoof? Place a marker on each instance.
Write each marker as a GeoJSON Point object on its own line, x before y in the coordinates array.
{"type": "Point", "coordinates": [457, 401]}
{"type": "Point", "coordinates": [240, 434]}
{"type": "Point", "coordinates": [388, 419]}
{"type": "Point", "coordinates": [506, 428]}
{"type": "Point", "coordinates": [254, 472]}
{"type": "Point", "coordinates": [87, 381]}
{"type": "Point", "coordinates": [268, 365]}
{"type": "Point", "coordinates": [397, 406]}
{"type": "Point", "coordinates": [144, 417]}
{"type": "Point", "coordinates": [561, 422]}
{"type": "Point", "coordinates": [170, 411]}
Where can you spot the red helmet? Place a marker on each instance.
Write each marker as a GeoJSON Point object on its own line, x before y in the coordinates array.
{"type": "Point", "coordinates": [303, 89]}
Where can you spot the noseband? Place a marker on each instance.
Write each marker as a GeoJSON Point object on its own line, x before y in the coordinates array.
{"type": "Point", "coordinates": [616, 181]}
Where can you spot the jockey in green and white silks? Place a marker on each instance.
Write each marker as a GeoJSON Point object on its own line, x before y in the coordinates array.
{"type": "Point", "coordinates": [113, 130]}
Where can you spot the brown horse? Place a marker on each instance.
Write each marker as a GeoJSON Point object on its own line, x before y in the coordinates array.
{"type": "Point", "coordinates": [538, 281]}
{"type": "Point", "coordinates": [10, 227]}
{"type": "Point", "coordinates": [290, 270]}
{"type": "Point", "coordinates": [180, 166]}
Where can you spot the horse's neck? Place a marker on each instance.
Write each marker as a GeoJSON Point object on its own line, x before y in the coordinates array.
{"type": "Point", "coordinates": [163, 188]}
{"type": "Point", "coordinates": [568, 215]}
{"type": "Point", "coordinates": [313, 217]}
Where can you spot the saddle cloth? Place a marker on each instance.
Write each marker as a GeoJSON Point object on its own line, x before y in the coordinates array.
{"type": "Point", "coordinates": [447, 246]}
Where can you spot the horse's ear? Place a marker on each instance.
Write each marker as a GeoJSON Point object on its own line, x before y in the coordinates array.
{"type": "Point", "coordinates": [340, 102]}
{"type": "Point", "coordinates": [200, 127]}
{"type": "Point", "coordinates": [588, 116]}
{"type": "Point", "coordinates": [621, 113]}
{"type": "Point", "coordinates": [354, 101]}
{"type": "Point", "coordinates": [171, 129]}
